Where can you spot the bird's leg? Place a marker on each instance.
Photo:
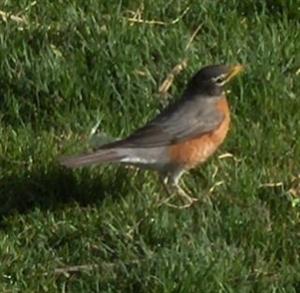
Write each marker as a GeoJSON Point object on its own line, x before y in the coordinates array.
{"type": "Point", "coordinates": [174, 180]}
{"type": "Point", "coordinates": [165, 183]}
{"type": "Point", "coordinates": [172, 188]}
{"type": "Point", "coordinates": [180, 191]}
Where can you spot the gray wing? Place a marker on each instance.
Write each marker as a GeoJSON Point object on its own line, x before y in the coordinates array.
{"type": "Point", "coordinates": [184, 120]}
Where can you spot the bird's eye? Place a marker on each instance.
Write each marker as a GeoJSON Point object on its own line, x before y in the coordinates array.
{"type": "Point", "coordinates": [219, 80]}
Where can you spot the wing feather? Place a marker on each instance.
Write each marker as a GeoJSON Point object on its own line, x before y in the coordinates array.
{"type": "Point", "coordinates": [183, 120]}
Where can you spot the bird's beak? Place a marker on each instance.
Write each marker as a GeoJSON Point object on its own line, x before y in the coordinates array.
{"type": "Point", "coordinates": [234, 70]}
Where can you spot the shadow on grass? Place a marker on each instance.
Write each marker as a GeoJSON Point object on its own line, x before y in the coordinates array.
{"type": "Point", "coordinates": [55, 186]}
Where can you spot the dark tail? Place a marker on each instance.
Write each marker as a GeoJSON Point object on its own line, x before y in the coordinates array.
{"type": "Point", "coordinates": [98, 157]}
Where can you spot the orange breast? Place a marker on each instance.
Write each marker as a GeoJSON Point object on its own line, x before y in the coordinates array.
{"type": "Point", "coordinates": [193, 152]}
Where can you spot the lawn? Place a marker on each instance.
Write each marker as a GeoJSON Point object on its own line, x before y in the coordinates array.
{"type": "Point", "coordinates": [73, 69]}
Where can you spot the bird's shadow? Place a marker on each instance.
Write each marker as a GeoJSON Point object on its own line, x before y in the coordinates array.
{"type": "Point", "coordinates": [51, 187]}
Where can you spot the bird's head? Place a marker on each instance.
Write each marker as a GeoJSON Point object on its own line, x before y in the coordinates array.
{"type": "Point", "coordinates": [211, 79]}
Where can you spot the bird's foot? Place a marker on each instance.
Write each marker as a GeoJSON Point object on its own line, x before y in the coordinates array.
{"type": "Point", "coordinates": [176, 190]}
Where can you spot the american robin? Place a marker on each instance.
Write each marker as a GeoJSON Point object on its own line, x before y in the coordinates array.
{"type": "Point", "coordinates": [182, 136]}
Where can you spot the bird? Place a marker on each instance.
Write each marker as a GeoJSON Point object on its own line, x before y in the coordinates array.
{"type": "Point", "coordinates": [184, 135]}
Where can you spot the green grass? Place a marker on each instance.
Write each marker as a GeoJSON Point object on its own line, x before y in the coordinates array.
{"type": "Point", "coordinates": [66, 66]}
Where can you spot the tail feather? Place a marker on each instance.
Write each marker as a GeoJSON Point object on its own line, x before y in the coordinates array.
{"type": "Point", "coordinates": [100, 156]}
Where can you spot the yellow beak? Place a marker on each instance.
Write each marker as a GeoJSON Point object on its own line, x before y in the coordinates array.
{"type": "Point", "coordinates": [234, 70]}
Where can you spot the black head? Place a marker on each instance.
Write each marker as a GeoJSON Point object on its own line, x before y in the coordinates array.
{"type": "Point", "coordinates": [211, 79]}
